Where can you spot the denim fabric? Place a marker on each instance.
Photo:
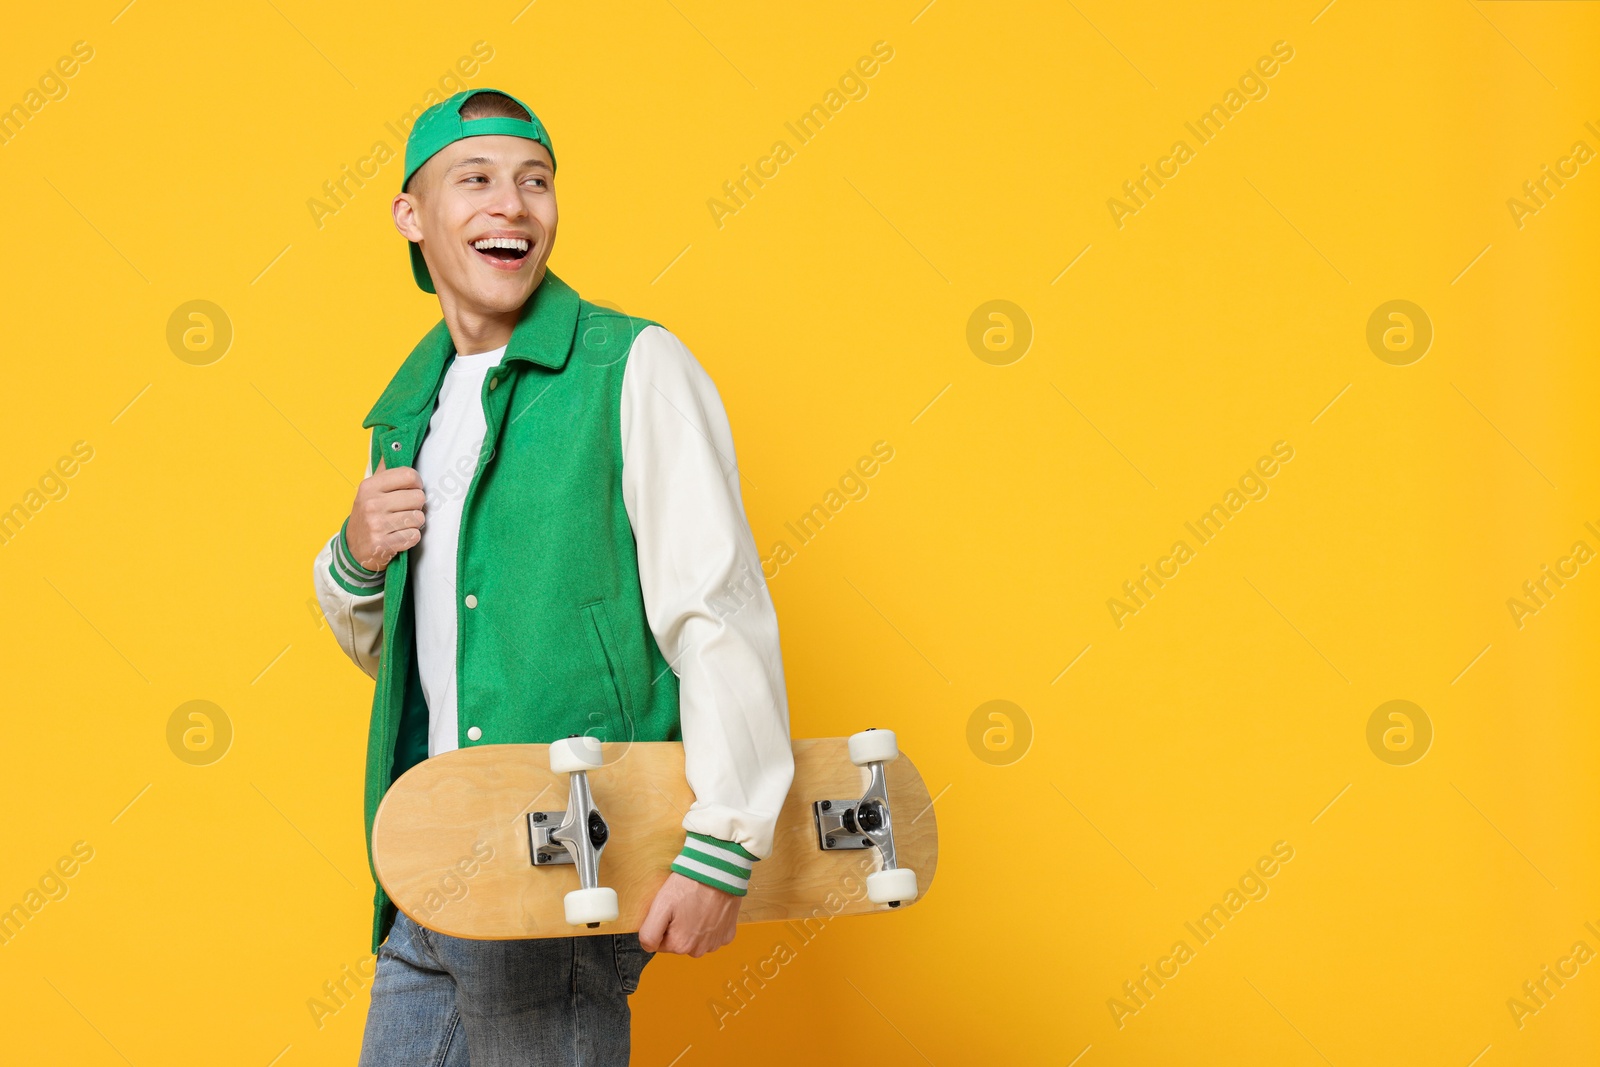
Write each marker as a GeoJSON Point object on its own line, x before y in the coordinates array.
{"type": "Point", "coordinates": [441, 1001]}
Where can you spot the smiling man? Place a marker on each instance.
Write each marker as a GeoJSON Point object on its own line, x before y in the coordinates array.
{"type": "Point", "coordinates": [544, 544]}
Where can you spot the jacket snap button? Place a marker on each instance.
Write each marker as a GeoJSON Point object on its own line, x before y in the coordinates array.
{"type": "Point", "coordinates": [492, 383]}
{"type": "Point", "coordinates": [472, 601]}
{"type": "Point", "coordinates": [474, 733]}
{"type": "Point", "coordinates": [395, 446]}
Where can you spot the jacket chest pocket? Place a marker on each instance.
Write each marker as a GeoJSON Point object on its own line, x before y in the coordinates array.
{"type": "Point", "coordinates": [612, 674]}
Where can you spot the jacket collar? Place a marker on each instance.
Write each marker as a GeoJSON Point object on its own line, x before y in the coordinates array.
{"type": "Point", "coordinates": [543, 335]}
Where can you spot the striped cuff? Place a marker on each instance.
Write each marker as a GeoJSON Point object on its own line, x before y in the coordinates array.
{"type": "Point", "coordinates": [720, 864]}
{"type": "Point", "coordinates": [351, 576]}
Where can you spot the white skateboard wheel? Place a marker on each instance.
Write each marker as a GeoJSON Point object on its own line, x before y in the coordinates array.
{"type": "Point", "coordinates": [574, 754]}
{"type": "Point", "coordinates": [584, 906]}
{"type": "Point", "coordinates": [873, 746]}
{"type": "Point", "coordinates": [899, 885]}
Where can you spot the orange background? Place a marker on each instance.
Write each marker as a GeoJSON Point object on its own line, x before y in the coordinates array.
{"type": "Point", "coordinates": [1142, 770]}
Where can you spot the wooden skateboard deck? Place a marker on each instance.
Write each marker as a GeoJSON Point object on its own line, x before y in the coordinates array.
{"type": "Point", "coordinates": [451, 840]}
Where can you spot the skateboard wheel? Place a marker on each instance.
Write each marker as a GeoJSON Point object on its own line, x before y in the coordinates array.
{"type": "Point", "coordinates": [873, 746]}
{"type": "Point", "coordinates": [898, 885]}
{"type": "Point", "coordinates": [574, 754]}
{"type": "Point", "coordinates": [588, 906]}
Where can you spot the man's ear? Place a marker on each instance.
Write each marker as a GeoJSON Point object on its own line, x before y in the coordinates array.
{"type": "Point", "coordinates": [405, 216]}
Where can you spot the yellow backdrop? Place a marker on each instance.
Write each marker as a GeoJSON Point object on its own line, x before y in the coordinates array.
{"type": "Point", "coordinates": [1230, 580]}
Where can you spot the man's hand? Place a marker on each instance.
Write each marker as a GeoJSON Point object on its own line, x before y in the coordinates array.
{"type": "Point", "coordinates": [689, 917]}
{"type": "Point", "coordinates": [387, 517]}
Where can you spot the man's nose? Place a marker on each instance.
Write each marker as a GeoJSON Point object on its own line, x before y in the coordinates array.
{"type": "Point", "coordinates": [507, 202]}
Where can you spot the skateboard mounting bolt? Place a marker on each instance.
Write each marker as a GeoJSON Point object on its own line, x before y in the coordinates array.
{"type": "Point", "coordinates": [538, 816]}
{"type": "Point", "coordinates": [543, 858]}
{"type": "Point", "coordinates": [827, 842]}
{"type": "Point", "coordinates": [827, 805]}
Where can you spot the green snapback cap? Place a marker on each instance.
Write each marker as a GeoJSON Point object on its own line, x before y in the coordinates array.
{"type": "Point", "coordinates": [442, 125]}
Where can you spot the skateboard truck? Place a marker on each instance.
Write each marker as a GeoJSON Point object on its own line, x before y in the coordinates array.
{"type": "Point", "coordinates": [865, 822]}
{"type": "Point", "coordinates": [577, 835]}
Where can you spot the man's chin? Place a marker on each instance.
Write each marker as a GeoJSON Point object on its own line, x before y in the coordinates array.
{"type": "Point", "coordinates": [504, 295]}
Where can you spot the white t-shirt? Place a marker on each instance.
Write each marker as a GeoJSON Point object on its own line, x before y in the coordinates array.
{"type": "Point", "coordinates": [446, 462]}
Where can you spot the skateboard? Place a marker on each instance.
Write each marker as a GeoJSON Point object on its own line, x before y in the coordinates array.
{"type": "Point", "coordinates": [474, 843]}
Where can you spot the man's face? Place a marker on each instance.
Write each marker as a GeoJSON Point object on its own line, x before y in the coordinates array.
{"type": "Point", "coordinates": [484, 209]}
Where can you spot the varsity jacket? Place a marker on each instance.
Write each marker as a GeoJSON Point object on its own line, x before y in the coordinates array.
{"type": "Point", "coordinates": [607, 581]}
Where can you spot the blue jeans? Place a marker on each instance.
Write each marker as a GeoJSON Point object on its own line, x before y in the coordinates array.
{"type": "Point", "coordinates": [441, 1001]}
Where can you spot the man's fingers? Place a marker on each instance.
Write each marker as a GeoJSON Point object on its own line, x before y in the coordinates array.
{"type": "Point", "coordinates": [393, 478]}
{"type": "Point", "coordinates": [390, 535]}
{"type": "Point", "coordinates": [654, 929]}
{"type": "Point", "coordinates": [400, 500]}
{"type": "Point", "coordinates": [393, 543]}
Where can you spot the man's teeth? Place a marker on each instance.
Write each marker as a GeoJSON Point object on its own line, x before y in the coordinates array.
{"type": "Point", "coordinates": [516, 244]}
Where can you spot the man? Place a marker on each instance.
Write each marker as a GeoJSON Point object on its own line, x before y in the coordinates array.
{"type": "Point", "coordinates": [550, 540]}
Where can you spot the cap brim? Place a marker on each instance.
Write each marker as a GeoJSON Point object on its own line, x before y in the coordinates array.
{"type": "Point", "coordinates": [419, 268]}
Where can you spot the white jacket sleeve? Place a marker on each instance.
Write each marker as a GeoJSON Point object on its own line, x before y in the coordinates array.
{"type": "Point", "coordinates": [352, 600]}
{"type": "Point", "coordinates": [708, 607]}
